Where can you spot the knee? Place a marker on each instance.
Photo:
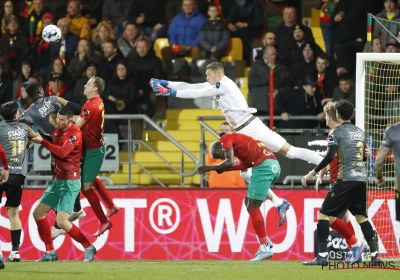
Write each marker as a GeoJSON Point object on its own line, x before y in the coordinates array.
{"type": "Point", "coordinates": [252, 204]}
{"type": "Point", "coordinates": [13, 214]}
{"type": "Point", "coordinates": [361, 219]}
{"type": "Point", "coordinates": [38, 215]}
{"type": "Point", "coordinates": [322, 216]}
{"type": "Point", "coordinates": [62, 223]}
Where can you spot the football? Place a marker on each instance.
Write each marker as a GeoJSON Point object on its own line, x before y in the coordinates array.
{"type": "Point", "coordinates": [51, 34]}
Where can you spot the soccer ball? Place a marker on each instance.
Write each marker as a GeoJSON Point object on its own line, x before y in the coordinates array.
{"type": "Point", "coordinates": [51, 34]}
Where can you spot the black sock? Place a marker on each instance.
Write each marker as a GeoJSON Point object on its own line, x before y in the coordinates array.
{"type": "Point", "coordinates": [323, 234]}
{"type": "Point", "coordinates": [15, 239]}
{"type": "Point", "coordinates": [368, 232]}
{"type": "Point", "coordinates": [77, 205]}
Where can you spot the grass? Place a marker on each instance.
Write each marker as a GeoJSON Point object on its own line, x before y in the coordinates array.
{"type": "Point", "coordinates": [207, 270]}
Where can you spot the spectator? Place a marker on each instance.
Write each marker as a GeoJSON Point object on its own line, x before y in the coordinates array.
{"type": "Point", "coordinates": [25, 100]}
{"type": "Point", "coordinates": [294, 51]}
{"type": "Point", "coordinates": [350, 24]}
{"type": "Point", "coordinates": [345, 90]}
{"type": "Point", "coordinates": [327, 8]}
{"type": "Point", "coordinates": [272, 14]}
{"type": "Point", "coordinates": [117, 13]}
{"type": "Point", "coordinates": [56, 8]}
{"type": "Point", "coordinates": [90, 71]}
{"type": "Point", "coordinates": [259, 80]}
{"type": "Point", "coordinates": [284, 31]}
{"type": "Point", "coordinates": [244, 21]}
{"type": "Point", "coordinates": [40, 52]}
{"type": "Point", "coordinates": [6, 16]}
{"type": "Point", "coordinates": [127, 42]}
{"type": "Point", "coordinates": [57, 66]}
{"type": "Point", "coordinates": [389, 22]}
{"type": "Point", "coordinates": [268, 40]}
{"type": "Point", "coordinates": [14, 48]}
{"type": "Point", "coordinates": [302, 68]}
{"type": "Point", "coordinates": [304, 101]}
{"type": "Point", "coordinates": [182, 42]}
{"type": "Point", "coordinates": [230, 179]}
{"type": "Point", "coordinates": [392, 46]}
{"type": "Point", "coordinates": [327, 78]}
{"type": "Point", "coordinates": [23, 73]}
{"type": "Point", "coordinates": [145, 65]}
{"type": "Point", "coordinates": [112, 56]}
{"type": "Point", "coordinates": [6, 90]}
{"type": "Point", "coordinates": [376, 45]}
{"type": "Point", "coordinates": [56, 87]}
{"type": "Point", "coordinates": [151, 21]}
{"type": "Point", "coordinates": [80, 61]}
{"type": "Point", "coordinates": [79, 23]}
{"type": "Point", "coordinates": [92, 10]}
{"type": "Point", "coordinates": [172, 8]}
{"type": "Point", "coordinates": [66, 48]}
{"type": "Point", "coordinates": [214, 35]}
{"type": "Point", "coordinates": [102, 33]}
{"type": "Point", "coordinates": [33, 24]}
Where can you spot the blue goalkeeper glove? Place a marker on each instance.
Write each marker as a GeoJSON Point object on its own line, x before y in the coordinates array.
{"type": "Point", "coordinates": [154, 81]}
{"type": "Point", "coordinates": [163, 91]}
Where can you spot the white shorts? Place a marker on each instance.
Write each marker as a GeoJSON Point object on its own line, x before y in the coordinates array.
{"type": "Point", "coordinates": [257, 129]}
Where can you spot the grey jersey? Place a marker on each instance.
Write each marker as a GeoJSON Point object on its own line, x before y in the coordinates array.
{"type": "Point", "coordinates": [351, 142]}
{"type": "Point", "coordinates": [14, 137]}
{"type": "Point", "coordinates": [391, 139]}
{"type": "Point", "coordinates": [43, 113]}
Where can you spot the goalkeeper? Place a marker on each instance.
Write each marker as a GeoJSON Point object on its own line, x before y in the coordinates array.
{"type": "Point", "coordinates": [238, 114]}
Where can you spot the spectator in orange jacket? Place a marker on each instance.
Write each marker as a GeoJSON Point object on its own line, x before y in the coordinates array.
{"type": "Point", "coordinates": [229, 179]}
{"type": "Point", "coordinates": [79, 24]}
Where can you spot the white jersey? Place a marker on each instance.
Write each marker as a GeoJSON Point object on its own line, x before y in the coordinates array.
{"type": "Point", "coordinates": [226, 93]}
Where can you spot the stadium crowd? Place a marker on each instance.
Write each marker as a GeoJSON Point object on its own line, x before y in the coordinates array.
{"type": "Point", "coordinates": [114, 39]}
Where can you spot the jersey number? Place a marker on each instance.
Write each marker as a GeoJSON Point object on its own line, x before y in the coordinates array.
{"type": "Point", "coordinates": [360, 146]}
{"type": "Point", "coordinates": [18, 147]}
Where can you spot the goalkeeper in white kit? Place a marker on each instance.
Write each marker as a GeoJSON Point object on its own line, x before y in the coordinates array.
{"type": "Point", "coordinates": [238, 114]}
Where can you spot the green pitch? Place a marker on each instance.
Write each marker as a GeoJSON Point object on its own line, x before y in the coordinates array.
{"type": "Point", "coordinates": [191, 270]}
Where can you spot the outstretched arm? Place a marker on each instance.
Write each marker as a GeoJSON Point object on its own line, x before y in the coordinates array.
{"type": "Point", "coordinates": [60, 151]}
{"type": "Point", "coordinates": [187, 86]}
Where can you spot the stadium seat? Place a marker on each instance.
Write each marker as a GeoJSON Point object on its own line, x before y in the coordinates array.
{"type": "Point", "coordinates": [234, 68]}
{"type": "Point", "coordinates": [177, 69]}
{"type": "Point", "coordinates": [198, 70]}
{"type": "Point", "coordinates": [159, 44]}
{"type": "Point", "coordinates": [235, 50]}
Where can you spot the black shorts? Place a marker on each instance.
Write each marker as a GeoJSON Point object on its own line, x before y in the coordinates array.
{"type": "Point", "coordinates": [13, 188]}
{"type": "Point", "coordinates": [346, 195]}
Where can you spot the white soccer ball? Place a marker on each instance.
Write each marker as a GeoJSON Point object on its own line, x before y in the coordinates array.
{"type": "Point", "coordinates": [51, 34]}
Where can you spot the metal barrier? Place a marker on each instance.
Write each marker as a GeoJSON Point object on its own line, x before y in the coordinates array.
{"type": "Point", "coordinates": [129, 141]}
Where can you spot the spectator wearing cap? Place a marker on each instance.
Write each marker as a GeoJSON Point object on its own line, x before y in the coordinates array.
{"type": "Point", "coordinates": [127, 41]}
{"type": "Point", "coordinates": [79, 62]}
{"type": "Point", "coordinates": [6, 90]}
{"type": "Point", "coordinates": [14, 47]}
{"type": "Point", "coordinates": [392, 46]}
{"type": "Point", "coordinates": [56, 87]}
{"type": "Point", "coordinates": [302, 68]}
{"type": "Point", "coordinates": [284, 30]}
{"type": "Point", "coordinates": [6, 15]}
{"type": "Point", "coordinates": [111, 57]}
{"type": "Point", "coordinates": [345, 89]}
{"type": "Point", "coordinates": [303, 101]}
{"type": "Point", "coordinates": [389, 22]}
{"type": "Point", "coordinates": [33, 24]}
{"type": "Point", "coordinates": [79, 24]}
{"type": "Point", "coordinates": [327, 77]}
{"type": "Point", "coordinates": [269, 39]}
{"type": "Point", "coordinates": [90, 71]}
{"type": "Point", "coordinates": [66, 48]}
{"type": "Point", "coordinates": [259, 80]}
{"type": "Point", "coordinates": [40, 52]}
{"type": "Point", "coordinates": [145, 65]}
{"type": "Point", "coordinates": [293, 54]}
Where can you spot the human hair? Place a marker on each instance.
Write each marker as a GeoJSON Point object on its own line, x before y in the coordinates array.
{"type": "Point", "coordinates": [99, 84]}
{"type": "Point", "coordinates": [78, 2]}
{"type": "Point", "coordinates": [131, 22]}
{"type": "Point", "coordinates": [115, 79]}
{"type": "Point", "coordinates": [96, 38]}
{"type": "Point", "coordinates": [344, 77]}
{"type": "Point", "coordinates": [323, 56]}
{"type": "Point", "coordinates": [65, 20]}
{"type": "Point", "coordinates": [143, 39]}
{"type": "Point", "coordinates": [268, 47]}
{"type": "Point", "coordinates": [113, 42]}
{"type": "Point", "coordinates": [212, 5]}
{"type": "Point", "coordinates": [225, 123]}
{"type": "Point", "coordinates": [66, 111]}
{"type": "Point", "coordinates": [345, 109]}
{"type": "Point", "coordinates": [330, 110]}
{"type": "Point", "coordinates": [63, 67]}
{"type": "Point", "coordinates": [8, 110]}
{"type": "Point", "coordinates": [33, 90]}
{"type": "Point", "coordinates": [214, 148]}
{"type": "Point", "coordinates": [215, 67]}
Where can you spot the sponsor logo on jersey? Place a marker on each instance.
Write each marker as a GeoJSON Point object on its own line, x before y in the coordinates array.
{"type": "Point", "coordinates": [18, 134]}
{"type": "Point", "coordinates": [86, 112]}
{"type": "Point", "coordinates": [46, 109]}
{"type": "Point", "coordinates": [217, 97]}
{"type": "Point", "coordinates": [359, 136]}
{"type": "Point", "coordinates": [72, 139]}
{"type": "Point", "coordinates": [217, 85]}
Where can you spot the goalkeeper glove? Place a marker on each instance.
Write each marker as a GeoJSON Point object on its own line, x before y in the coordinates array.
{"type": "Point", "coordinates": [163, 91]}
{"type": "Point", "coordinates": [156, 82]}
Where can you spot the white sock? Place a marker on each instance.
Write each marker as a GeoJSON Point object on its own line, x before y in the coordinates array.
{"type": "Point", "coordinates": [246, 174]}
{"type": "Point", "coordinates": [13, 252]}
{"type": "Point", "coordinates": [274, 199]}
{"type": "Point", "coordinates": [324, 255]}
{"type": "Point", "coordinates": [304, 154]}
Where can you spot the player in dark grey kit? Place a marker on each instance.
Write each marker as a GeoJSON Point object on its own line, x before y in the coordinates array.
{"type": "Point", "coordinates": [14, 137]}
{"type": "Point", "coordinates": [42, 113]}
{"type": "Point", "coordinates": [391, 140]}
{"type": "Point", "coordinates": [350, 189]}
